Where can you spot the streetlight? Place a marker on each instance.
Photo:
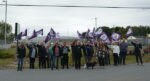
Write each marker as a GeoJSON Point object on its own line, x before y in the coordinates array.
{"type": "Point", "coordinates": [5, 19]}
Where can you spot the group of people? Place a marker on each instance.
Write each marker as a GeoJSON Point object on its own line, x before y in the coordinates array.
{"type": "Point", "coordinates": [53, 55]}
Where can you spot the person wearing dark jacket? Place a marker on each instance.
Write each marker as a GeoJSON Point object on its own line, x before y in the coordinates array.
{"type": "Point", "coordinates": [42, 54]}
{"type": "Point", "coordinates": [64, 56]}
{"type": "Point", "coordinates": [89, 52]}
{"type": "Point", "coordinates": [73, 52]}
{"type": "Point", "coordinates": [32, 54]}
{"type": "Point", "coordinates": [57, 52]}
{"type": "Point", "coordinates": [84, 51]}
{"type": "Point", "coordinates": [78, 55]}
{"type": "Point", "coordinates": [137, 51]}
{"type": "Point", "coordinates": [123, 52]}
{"type": "Point", "coordinates": [21, 53]}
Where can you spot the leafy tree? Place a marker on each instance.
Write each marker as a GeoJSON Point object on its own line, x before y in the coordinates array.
{"type": "Point", "coordinates": [2, 29]}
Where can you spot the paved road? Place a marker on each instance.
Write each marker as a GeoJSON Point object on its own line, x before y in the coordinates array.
{"type": "Point", "coordinates": [130, 72]}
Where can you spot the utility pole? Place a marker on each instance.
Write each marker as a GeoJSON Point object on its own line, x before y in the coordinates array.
{"type": "Point", "coordinates": [5, 20]}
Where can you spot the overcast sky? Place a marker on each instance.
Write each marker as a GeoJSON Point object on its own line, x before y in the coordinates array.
{"type": "Point", "coordinates": [67, 21]}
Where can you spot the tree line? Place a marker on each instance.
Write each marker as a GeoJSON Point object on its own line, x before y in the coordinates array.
{"type": "Point", "coordinates": [138, 31]}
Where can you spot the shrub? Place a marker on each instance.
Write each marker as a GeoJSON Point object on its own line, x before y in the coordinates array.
{"type": "Point", "coordinates": [4, 54]}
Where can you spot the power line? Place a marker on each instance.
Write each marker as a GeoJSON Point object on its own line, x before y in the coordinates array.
{"type": "Point", "coordinates": [116, 7]}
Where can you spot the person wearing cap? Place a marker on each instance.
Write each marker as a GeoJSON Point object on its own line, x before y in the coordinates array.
{"type": "Point", "coordinates": [123, 52]}
{"type": "Point", "coordinates": [137, 51]}
{"type": "Point", "coordinates": [32, 55]}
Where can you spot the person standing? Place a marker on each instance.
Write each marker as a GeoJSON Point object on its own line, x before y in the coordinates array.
{"type": "Point", "coordinates": [100, 54]}
{"type": "Point", "coordinates": [107, 55]}
{"type": "Point", "coordinates": [32, 55]}
{"type": "Point", "coordinates": [116, 51]}
{"type": "Point", "coordinates": [84, 51]}
{"type": "Point", "coordinates": [56, 50]}
{"type": "Point", "coordinates": [42, 54]}
{"type": "Point", "coordinates": [21, 53]}
{"type": "Point", "coordinates": [123, 52]}
{"type": "Point", "coordinates": [51, 55]}
{"type": "Point", "coordinates": [78, 55]}
{"type": "Point", "coordinates": [137, 51]}
{"type": "Point", "coordinates": [65, 58]}
{"type": "Point", "coordinates": [73, 51]}
{"type": "Point", "coordinates": [89, 51]}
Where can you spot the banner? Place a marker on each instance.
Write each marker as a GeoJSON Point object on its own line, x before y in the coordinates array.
{"type": "Point", "coordinates": [52, 32]}
{"type": "Point", "coordinates": [24, 33]}
{"type": "Point", "coordinates": [115, 36]}
{"type": "Point", "coordinates": [48, 37]}
{"type": "Point", "coordinates": [79, 34]}
{"type": "Point", "coordinates": [104, 37]}
{"type": "Point", "coordinates": [98, 31]}
{"type": "Point", "coordinates": [129, 32]}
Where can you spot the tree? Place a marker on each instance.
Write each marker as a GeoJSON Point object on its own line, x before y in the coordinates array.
{"type": "Point", "coordinates": [2, 29]}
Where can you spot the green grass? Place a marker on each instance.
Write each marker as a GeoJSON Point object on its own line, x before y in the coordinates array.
{"type": "Point", "coordinates": [6, 63]}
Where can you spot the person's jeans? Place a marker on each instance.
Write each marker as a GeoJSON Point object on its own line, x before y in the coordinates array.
{"type": "Point", "coordinates": [52, 61]}
{"type": "Point", "coordinates": [56, 61]}
{"type": "Point", "coordinates": [20, 63]}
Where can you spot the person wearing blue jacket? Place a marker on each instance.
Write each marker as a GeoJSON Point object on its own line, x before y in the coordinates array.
{"type": "Point", "coordinates": [123, 52]}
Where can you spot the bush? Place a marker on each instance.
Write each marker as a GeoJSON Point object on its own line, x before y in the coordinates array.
{"type": "Point", "coordinates": [4, 54]}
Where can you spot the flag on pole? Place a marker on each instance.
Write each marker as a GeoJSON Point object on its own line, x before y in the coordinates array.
{"type": "Point", "coordinates": [52, 32]}
{"type": "Point", "coordinates": [79, 34]}
{"type": "Point", "coordinates": [115, 36]}
{"type": "Point", "coordinates": [98, 31]}
{"type": "Point", "coordinates": [39, 32]}
{"type": "Point", "coordinates": [87, 33]}
{"type": "Point", "coordinates": [129, 32]}
{"type": "Point", "coordinates": [24, 33]}
{"type": "Point", "coordinates": [104, 37]}
{"type": "Point", "coordinates": [48, 37]}
{"type": "Point", "coordinates": [33, 35]}
{"type": "Point", "coordinates": [19, 36]}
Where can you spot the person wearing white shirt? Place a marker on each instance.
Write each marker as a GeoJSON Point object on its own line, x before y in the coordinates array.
{"type": "Point", "coordinates": [116, 52]}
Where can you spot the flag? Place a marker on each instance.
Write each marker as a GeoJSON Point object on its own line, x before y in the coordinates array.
{"type": "Point", "coordinates": [115, 36]}
{"type": "Point", "coordinates": [79, 34]}
{"type": "Point", "coordinates": [104, 37]}
{"type": "Point", "coordinates": [87, 33]}
{"type": "Point", "coordinates": [90, 35]}
{"type": "Point", "coordinates": [52, 32]}
{"type": "Point", "coordinates": [39, 32]}
{"type": "Point", "coordinates": [33, 35]}
{"type": "Point", "coordinates": [24, 33]}
{"type": "Point", "coordinates": [98, 31]}
{"type": "Point", "coordinates": [56, 37]}
{"type": "Point", "coordinates": [48, 37]}
{"type": "Point", "coordinates": [129, 32]}
{"type": "Point", "coordinates": [19, 36]}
